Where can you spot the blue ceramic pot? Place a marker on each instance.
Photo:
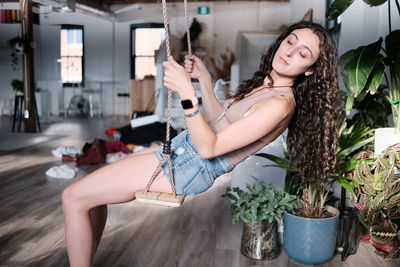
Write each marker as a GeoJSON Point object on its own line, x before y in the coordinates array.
{"type": "Point", "coordinates": [310, 241]}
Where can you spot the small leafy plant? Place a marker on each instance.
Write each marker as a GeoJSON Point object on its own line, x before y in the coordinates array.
{"type": "Point", "coordinates": [262, 201]}
{"type": "Point", "coordinates": [378, 185]}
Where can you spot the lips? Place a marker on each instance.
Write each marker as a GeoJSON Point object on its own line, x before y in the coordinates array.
{"type": "Point", "coordinates": [284, 61]}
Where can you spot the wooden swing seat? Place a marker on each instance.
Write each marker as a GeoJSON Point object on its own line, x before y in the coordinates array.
{"type": "Point", "coordinates": [160, 198]}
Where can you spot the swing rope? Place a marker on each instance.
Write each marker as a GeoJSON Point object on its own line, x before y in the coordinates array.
{"type": "Point", "coordinates": [167, 142]}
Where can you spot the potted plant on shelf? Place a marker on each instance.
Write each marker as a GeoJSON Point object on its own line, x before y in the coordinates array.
{"type": "Point", "coordinates": [364, 68]}
{"type": "Point", "coordinates": [18, 86]}
{"type": "Point", "coordinates": [377, 181]}
{"type": "Point", "coordinates": [259, 208]}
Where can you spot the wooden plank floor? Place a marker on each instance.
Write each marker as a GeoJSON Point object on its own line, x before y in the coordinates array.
{"type": "Point", "coordinates": [200, 233]}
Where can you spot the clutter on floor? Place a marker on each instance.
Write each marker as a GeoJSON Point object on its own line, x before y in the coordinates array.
{"type": "Point", "coordinates": [113, 157]}
{"type": "Point", "coordinates": [122, 142]}
{"type": "Point", "coordinates": [61, 172]}
{"type": "Point", "coordinates": [66, 150]}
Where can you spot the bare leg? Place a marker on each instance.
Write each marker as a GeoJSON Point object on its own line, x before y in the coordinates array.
{"type": "Point", "coordinates": [114, 183]}
{"type": "Point", "coordinates": [98, 215]}
{"type": "Point", "coordinates": [98, 218]}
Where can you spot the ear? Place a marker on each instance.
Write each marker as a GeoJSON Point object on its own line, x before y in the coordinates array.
{"type": "Point", "coordinates": [308, 72]}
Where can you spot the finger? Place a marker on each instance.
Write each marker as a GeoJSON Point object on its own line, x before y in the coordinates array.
{"type": "Point", "coordinates": [188, 64]}
{"type": "Point", "coordinates": [196, 59]}
{"type": "Point", "coordinates": [189, 68]}
{"type": "Point", "coordinates": [174, 63]}
{"type": "Point", "coordinates": [166, 64]}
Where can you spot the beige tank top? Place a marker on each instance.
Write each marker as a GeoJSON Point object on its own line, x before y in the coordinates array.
{"type": "Point", "coordinates": [234, 112]}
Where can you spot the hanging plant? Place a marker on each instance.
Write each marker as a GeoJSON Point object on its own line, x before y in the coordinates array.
{"type": "Point", "coordinates": [17, 85]}
{"type": "Point", "coordinates": [18, 47]}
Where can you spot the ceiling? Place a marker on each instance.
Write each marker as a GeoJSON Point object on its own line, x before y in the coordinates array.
{"type": "Point", "coordinates": [103, 7]}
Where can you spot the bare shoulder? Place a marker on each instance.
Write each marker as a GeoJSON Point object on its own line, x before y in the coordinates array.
{"type": "Point", "coordinates": [280, 106]}
{"type": "Point", "coordinates": [277, 103]}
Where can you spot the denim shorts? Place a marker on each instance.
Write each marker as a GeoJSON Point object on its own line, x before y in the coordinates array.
{"type": "Point", "coordinates": [192, 174]}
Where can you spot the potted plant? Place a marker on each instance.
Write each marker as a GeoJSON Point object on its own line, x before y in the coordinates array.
{"type": "Point", "coordinates": [377, 180]}
{"type": "Point", "coordinates": [18, 47]}
{"type": "Point", "coordinates": [364, 68]}
{"type": "Point", "coordinates": [304, 227]}
{"type": "Point", "coordinates": [309, 231]}
{"type": "Point", "coordinates": [18, 86]}
{"type": "Point", "coordinates": [259, 208]}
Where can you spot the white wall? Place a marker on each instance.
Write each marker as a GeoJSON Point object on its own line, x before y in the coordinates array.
{"type": "Point", "coordinates": [226, 19]}
{"type": "Point", "coordinates": [107, 42]}
{"type": "Point", "coordinates": [220, 27]}
{"type": "Point", "coordinates": [219, 32]}
{"type": "Point", "coordinates": [98, 57]}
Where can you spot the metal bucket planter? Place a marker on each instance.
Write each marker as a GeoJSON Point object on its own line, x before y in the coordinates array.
{"type": "Point", "coordinates": [310, 241]}
{"type": "Point", "coordinates": [260, 240]}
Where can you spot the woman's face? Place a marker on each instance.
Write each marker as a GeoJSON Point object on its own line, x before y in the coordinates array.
{"type": "Point", "coordinates": [297, 53]}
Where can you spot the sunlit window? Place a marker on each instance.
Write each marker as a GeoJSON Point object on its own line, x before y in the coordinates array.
{"type": "Point", "coordinates": [72, 55]}
{"type": "Point", "coordinates": [144, 43]}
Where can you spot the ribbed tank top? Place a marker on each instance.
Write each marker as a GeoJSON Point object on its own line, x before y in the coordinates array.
{"type": "Point", "coordinates": [234, 112]}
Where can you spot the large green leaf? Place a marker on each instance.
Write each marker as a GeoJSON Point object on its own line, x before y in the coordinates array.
{"type": "Point", "coordinates": [358, 64]}
{"type": "Point", "coordinates": [346, 166]}
{"type": "Point", "coordinates": [353, 138]}
{"type": "Point", "coordinates": [358, 145]}
{"type": "Point", "coordinates": [392, 43]}
{"type": "Point", "coordinates": [375, 2]}
{"type": "Point", "coordinates": [376, 76]}
{"type": "Point", "coordinates": [280, 162]}
{"type": "Point", "coordinates": [337, 8]}
{"type": "Point", "coordinates": [346, 184]}
{"type": "Point", "coordinates": [349, 103]}
{"type": "Point", "coordinates": [373, 110]}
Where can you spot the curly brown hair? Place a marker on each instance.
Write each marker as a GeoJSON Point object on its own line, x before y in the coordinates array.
{"type": "Point", "coordinates": [312, 136]}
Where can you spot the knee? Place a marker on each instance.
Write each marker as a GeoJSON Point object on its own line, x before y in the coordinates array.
{"type": "Point", "coordinates": [70, 198]}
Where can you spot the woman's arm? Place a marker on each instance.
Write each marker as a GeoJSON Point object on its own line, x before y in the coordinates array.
{"type": "Point", "coordinates": [262, 119]}
{"type": "Point", "coordinates": [196, 69]}
{"type": "Point", "coordinates": [266, 117]}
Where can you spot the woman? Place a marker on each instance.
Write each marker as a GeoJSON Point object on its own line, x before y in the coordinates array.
{"type": "Point", "coordinates": [296, 87]}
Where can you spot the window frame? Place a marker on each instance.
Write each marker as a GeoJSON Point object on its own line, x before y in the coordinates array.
{"type": "Point", "coordinates": [75, 27]}
{"type": "Point", "coordinates": [132, 41]}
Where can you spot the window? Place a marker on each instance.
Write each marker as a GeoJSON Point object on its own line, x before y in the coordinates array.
{"type": "Point", "coordinates": [145, 39]}
{"type": "Point", "coordinates": [72, 55]}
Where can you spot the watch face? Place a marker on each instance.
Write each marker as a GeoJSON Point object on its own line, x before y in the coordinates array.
{"type": "Point", "coordinates": [186, 104]}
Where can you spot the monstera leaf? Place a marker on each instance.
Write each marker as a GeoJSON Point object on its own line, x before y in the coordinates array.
{"type": "Point", "coordinates": [362, 69]}
{"type": "Point", "coordinates": [337, 8]}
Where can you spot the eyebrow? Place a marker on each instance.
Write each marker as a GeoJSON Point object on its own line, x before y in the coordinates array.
{"type": "Point", "coordinates": [303, 45]}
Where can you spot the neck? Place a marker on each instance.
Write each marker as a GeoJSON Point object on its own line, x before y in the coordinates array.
{"type": "Point", "coordinates": [279, 80]}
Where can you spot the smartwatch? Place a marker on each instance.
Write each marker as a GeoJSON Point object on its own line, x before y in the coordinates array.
{"type": "Point", "coordinates": [189, 103]}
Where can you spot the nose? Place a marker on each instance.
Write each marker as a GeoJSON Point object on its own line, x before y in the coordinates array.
{"type": "Point", "coordinates": [291, 51]}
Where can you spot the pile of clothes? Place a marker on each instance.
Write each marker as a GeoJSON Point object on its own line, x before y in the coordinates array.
{"type": "Point", "coordinates": [122, 142]}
